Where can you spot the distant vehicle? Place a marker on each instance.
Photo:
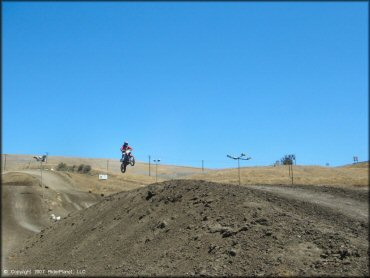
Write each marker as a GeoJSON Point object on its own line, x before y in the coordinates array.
{"type": "Point", "coordinates": [127, 159]}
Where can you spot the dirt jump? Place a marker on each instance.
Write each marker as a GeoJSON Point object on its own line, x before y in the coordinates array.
{"type": "Point", "coordinates": [194, 227]}
{"type": "Point", "coordinates": [27, 207]}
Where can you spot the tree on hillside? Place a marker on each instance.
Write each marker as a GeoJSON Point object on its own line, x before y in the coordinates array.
{"type": "Point", "coordinates": [288, 159]}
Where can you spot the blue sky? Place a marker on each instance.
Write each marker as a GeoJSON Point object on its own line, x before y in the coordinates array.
{"type": "Point", "coordinates": [186, 82]}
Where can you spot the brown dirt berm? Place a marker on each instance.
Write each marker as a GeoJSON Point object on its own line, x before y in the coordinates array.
{"type": "Point", "coordinates": [192, 227]}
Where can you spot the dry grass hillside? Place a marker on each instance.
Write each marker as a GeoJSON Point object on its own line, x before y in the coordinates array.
{"type": "Point", "coordinates": [103, 165]}
{"type": "Point", "coordinates": [137, 176]}
{"type": "Point", "coordinates": [356, 175]}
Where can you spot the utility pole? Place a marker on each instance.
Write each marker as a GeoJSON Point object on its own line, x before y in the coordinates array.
{"type": "Point", "coordinates": [156, 167]}
{"type": "Point", "coordinates": [355, 159]}
{"type": "Point", "coordinates": [238, 158]}
{"type": "Point", "coordinates": [202, 165]}
{"type": "Point", "coordinates": [149, 165]}
{"type": "Point", "coordinates": [4, 162]}
{"type": "Point", "coordinates": [41, 159]}
{"type": "Point", "coordinates": [290, 166]}
{"type": "Point", "coordinates": [42, 188]}
{"type": "Point", "coordinates": [239, 170]}
{"type": "Point", "coordinates": [292, 173]}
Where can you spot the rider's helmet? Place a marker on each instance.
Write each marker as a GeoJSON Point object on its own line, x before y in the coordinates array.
{"type": "Point", "coordinates": [125, 143]}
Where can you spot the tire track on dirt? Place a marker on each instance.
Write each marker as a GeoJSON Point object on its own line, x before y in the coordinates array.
{"type": "Point", "coordinates": [192, 227]}
{"type": "Point", "coordinates": [26, 208]}
{"type": "Point", "coordinates": [350, 205]}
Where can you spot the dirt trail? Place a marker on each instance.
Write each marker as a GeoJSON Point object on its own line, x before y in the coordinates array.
{"type": "Point", "coordinates": [27, 208]}
{"type": "Point", "coordinates": [68, 195]}
{"type": "Point", "coordinates": [22, 216]}
{"type": "Point", "coordinates": [192, 227]}
{"type": "Point", "coordinates": [350, 202]}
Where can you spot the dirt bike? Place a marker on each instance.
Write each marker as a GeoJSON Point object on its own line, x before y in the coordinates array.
{"type": "Point", "coordinates": [127, 159]}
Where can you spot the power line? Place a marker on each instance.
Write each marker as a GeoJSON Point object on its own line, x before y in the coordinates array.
{"type": "Point", "coordinates": [239, 158]}
{"type": "Point", "coordinates": [156, 161]}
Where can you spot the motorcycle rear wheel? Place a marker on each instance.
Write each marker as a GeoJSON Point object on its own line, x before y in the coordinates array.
{"type": "Point", "coordinates": [123, 167]}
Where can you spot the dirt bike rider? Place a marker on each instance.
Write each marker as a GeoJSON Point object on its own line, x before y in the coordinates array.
{"type": "Point", "coordinates": [124, 148]}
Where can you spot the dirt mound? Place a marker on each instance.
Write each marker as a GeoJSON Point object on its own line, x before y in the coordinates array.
{"type": "Point", "coordinates": [189, 227]}
{"type": "Point", "coordinates": [21, 179]}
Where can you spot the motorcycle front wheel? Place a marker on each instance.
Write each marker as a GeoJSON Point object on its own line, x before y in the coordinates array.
{"type": "Point", "coordinates": [132, 161]}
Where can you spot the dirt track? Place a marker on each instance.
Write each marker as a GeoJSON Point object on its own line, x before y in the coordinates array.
{"type": "Point", "coordinates": [27, 209]}
{"type": "Point", "coordinates": [188, 227]}
{"type": "Point", "coordinates": [350, 202]}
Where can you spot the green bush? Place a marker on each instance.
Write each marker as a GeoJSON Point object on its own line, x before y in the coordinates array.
{"type": "Point", "coordinates": [62, 167]}
{"type": "Point", "coordinates": [86, 169]}
{"type": "Point", "coordinates": [82, 168]}
{"type": "Point", "coordinates": [71, 168]}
